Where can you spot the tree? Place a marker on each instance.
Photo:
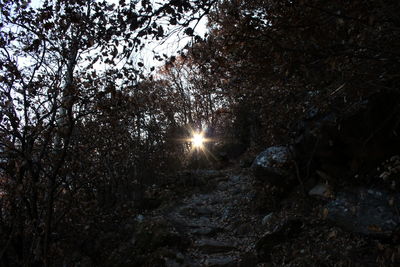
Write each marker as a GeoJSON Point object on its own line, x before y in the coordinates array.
{"type": "Point", "coordinates": [281, 59]}
{"type": "Point", "coordinates": [54, 94]}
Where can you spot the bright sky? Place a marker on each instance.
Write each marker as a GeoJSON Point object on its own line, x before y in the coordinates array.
{"type": "Point", "coordinates": [169, 47]}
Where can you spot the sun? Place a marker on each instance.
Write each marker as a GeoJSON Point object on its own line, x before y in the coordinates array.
{"type": "Point", "coordinates": [197, 140]}
{"type": "Point", "coordinates": [197, 143]}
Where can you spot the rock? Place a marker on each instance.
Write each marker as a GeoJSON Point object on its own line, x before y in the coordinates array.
{"type": "Point", "coordinates": [226, 213]}
{"type": "Point", "coordinates": [200, 222]}
{"type": "Point", "coordinates": [244, 229]}
{"type": "Point", "coordinates": [236, 178]}
{"type": "Point", "coordinates": [272, 164]}
{"type": "Point", "coordinates": [213, 246]}
{"type": "Point", "coordinates": [196, 211]}
{"type": "Point", "coordinates": [312, 113]}
{"type": "Point", "coordinates": [139, 218]}
{"type": "Point", "coordinates": [272, 156]}
{"type": "Point", "coordinates": [321, 190]}
{"type": "Point", "coordinates": [224, 186]}
{"type": "Point", "coordinates": [222, 179]}
{"type": "Point", "coordinates": [267, 219]}
{"type": "Point", "coordinates": [172, 263]}
{"type": "Point", "coordinates": [221, 261]}
{"type": "Point", "coordinates": [204, 231]}
{"type": "Point", "coordinates": [365, 211]}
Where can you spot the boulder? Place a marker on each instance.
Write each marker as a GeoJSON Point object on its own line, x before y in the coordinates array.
{"type": "Point", "coordinates": [272, 164]}
{"type": "Point", "coordinates": [267, 218]}
{"type": "Point", "coordinates": [321, 191]}
{"type": "Point", "coordinates": [365, 211]}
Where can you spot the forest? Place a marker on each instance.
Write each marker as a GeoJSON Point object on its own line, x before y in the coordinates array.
{"type": "Point", "coordinates": [199, 133]}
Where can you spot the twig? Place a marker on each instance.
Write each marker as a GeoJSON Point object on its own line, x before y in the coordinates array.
{"type": "Point", "coordinates": [299, 178]}
{"type": "Point", "coordinates": [338, 89]}
{"type": "Point", "coordinates": [311, 158]}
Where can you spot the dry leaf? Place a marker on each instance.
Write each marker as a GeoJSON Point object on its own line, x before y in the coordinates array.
{"type": "Point", "coordinates": [332, 234]}
{"type": "Point", "coordinates": [325, 213]}
{"type": "Point", "coordinates": [374, 228]}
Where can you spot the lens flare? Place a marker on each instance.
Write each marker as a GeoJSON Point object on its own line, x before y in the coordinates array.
{"type": "Point", "coordinates": [197, 140]}
{"type": "Point", "coordinates": [197, 144]}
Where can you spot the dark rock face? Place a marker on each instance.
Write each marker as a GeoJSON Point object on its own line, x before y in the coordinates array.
{"type": "Point", "coordinates": [353, 141]}
{"type": "Point", "coordinates": [365, 211]}
{"type": "Point", "coordinates": [271, 165]}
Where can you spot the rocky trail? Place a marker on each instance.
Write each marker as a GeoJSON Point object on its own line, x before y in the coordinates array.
{"type": "Point", "coordinates": [213, 224]}
{"type": "Point", "coordinates": [219, 222]}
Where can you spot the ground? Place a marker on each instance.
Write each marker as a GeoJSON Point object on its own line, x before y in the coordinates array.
{"type": "Point", "coordinates": [227, 218]}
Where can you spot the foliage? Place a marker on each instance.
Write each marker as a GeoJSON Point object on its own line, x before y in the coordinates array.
{"type": "Point", "coordinates": [84, 128]}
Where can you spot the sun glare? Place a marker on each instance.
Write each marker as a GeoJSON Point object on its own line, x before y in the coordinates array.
{"type": "Point", "coordinates": [197, 140]}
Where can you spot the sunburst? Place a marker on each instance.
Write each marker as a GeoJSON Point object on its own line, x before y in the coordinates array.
{"type": "Point", "coordinates": [198, 144]}
{"type": "Point", "coordinates": [198, 140]}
